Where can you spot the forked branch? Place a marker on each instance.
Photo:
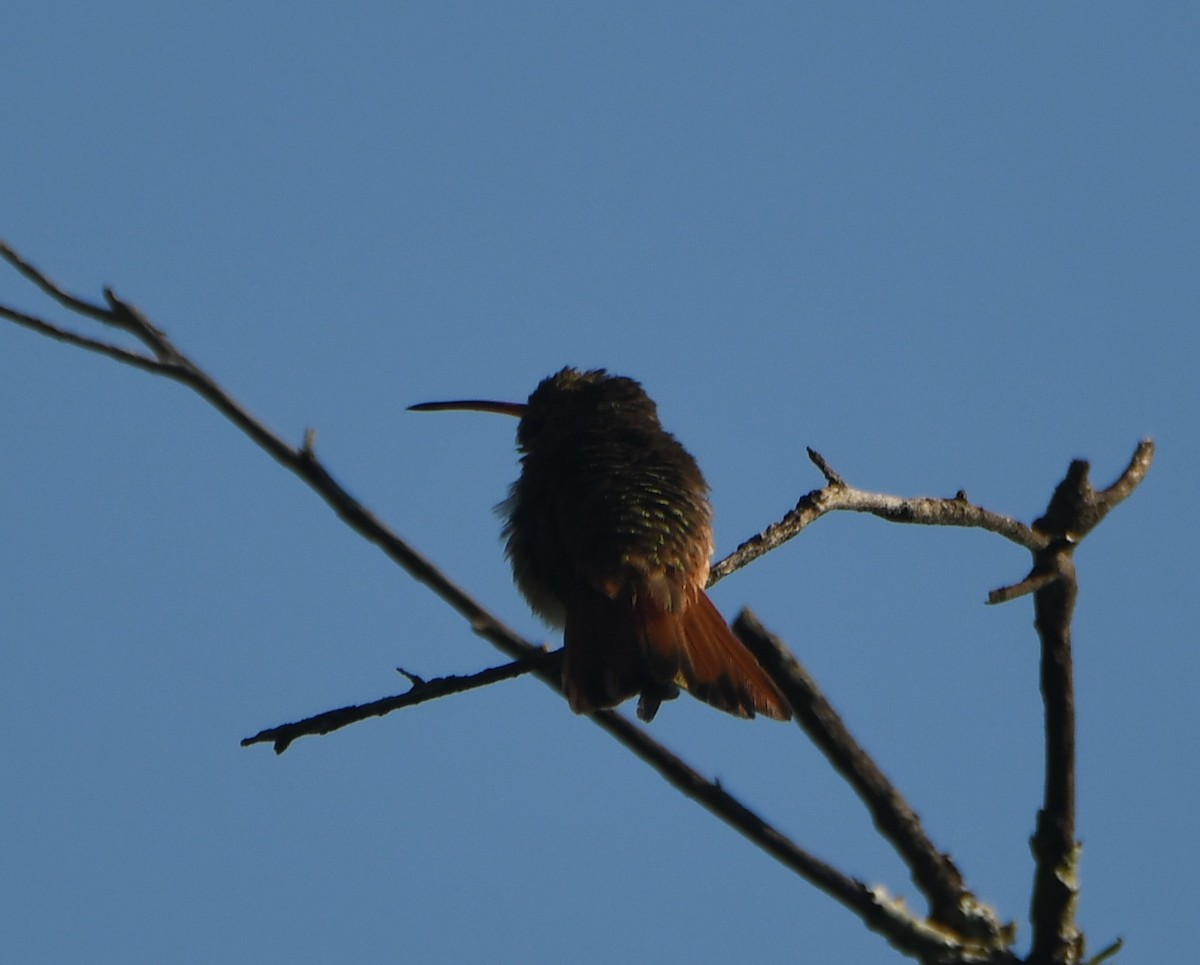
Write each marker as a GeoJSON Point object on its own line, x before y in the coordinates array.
{"type": "Point", "coordinates": [959, 929]}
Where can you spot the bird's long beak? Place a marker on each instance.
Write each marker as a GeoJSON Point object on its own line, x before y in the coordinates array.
{"type": "Point", "coordinates": [476, 405]}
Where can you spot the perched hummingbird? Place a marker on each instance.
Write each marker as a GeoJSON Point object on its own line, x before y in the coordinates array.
{"type": "Point", "coordinates": [609, 532]}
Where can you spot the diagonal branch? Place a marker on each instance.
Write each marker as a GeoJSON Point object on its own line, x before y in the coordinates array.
{"type": "Point", "coordinates": [43, 281]}
{"type": "Point", "coordinates": [934, 873]}
{"type": "Point", "coordinates": [879, 912]}
{"type": "Point", "coordinates": [42, 327]}
{"type": "Point", "coordinates": [282, 735]}
{"type": "Point", "coordinates": [301, 460]}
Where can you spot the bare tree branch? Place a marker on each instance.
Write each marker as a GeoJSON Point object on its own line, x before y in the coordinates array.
{"type": "Point", "coordinates": [837, 495]}
{"type": "Point", "coordinates": [959, 929]}
{"type": "Point", "coordinates": [922, 940]}
{"type": "Point", "coordinates": [1031, 584]}
{"type": "Point", "coordinates": [301, 460]}
{"type": "Point", "coordinates": [1075, 509]}
{"type": "Point", "coordinates": [281, 736]}
{"type": "Point", "coordinates": [1056, 938]}
{"type": "Point", "coordinates": [951, 904]}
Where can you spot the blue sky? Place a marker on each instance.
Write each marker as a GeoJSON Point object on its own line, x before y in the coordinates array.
{"type": "Point", "coordinates": [948, 245]}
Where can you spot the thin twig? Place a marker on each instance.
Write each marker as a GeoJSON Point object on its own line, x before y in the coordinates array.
{"type": "Point", "coordinates": [42, 327]}
{"type": "Point", "coordinates": [1131, 478]}
{"type": "Point", "coordinates": [282, 736]}
{"type": "Point", "coordinates": [1031, 584]}
{"type": "Point", "coordinates": [43, 281]}
{"type": "Point", "coordinates": [837, 495]}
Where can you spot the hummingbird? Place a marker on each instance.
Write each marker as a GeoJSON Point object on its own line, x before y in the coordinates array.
{"type": "Point", "coordinates": [609, 532]}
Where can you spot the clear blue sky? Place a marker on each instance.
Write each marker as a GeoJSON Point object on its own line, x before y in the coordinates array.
{"type": "Point", "coordinates": [948, 245]}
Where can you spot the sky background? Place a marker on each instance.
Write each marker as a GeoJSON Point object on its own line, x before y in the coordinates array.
{"type": "Point", "coordinates": [948, 245]}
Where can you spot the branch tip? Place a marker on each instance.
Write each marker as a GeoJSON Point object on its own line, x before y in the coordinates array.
{"type": "Point", "coordinates": [1036, 579]}
{"type": "Point", "coordinates": [412, 678]}
{"type": "Point", "coordinates": [1107, 953]}
{"type": "Point", "coordinates": [831, 476]}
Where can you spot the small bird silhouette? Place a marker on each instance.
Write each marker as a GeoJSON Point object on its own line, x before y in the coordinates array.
{"type": "Point", "coordinates": [609, 532]}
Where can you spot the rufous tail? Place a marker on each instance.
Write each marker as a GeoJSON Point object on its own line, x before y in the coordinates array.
{"type": "Point", "coordinates": [615, 649]}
